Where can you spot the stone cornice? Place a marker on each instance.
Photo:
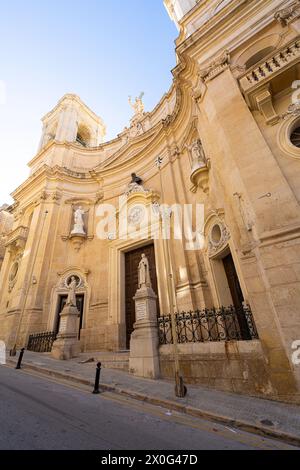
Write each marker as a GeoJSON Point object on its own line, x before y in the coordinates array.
{"type": "Point", "coordinates": [289, 14]}
{"type": "Point", "coordinates": [56, 173]}
{"type": "Point", "coordinates": [282, 235]}
{"type": "Point", "coordinates": [257, 15]}
{"type": "Point", "coordinates": [80, 103]}
{"type": "Point", "coordinates": [216, 67]}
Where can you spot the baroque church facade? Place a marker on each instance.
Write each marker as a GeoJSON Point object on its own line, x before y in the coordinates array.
{"type": "Point", "coordinates": [226, 136]}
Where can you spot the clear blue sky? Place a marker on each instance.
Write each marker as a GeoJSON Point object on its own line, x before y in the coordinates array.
{"type": "Point", "coordinates": [102, 50]}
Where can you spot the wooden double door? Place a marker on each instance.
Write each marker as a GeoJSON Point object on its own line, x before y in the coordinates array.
{"type": "Point", "coordinates": [237, 295]}
{"type": "Point", "coordinates": [80, 305]}
{"type": "Point", "coordinates": [132, 260]}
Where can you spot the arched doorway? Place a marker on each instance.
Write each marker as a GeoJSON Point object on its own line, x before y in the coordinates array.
{"type": "Point", "coordinates": [132, 260]}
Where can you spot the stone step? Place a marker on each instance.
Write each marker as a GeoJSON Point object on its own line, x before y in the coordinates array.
{"type": "Point", "coordinates": [110, 360]}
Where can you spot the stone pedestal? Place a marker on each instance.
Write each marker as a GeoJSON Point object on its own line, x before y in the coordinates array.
{"type": "Point", "coordinates": [144, 355]}
{"type": "Point", "coordinates": [77, 240]}
{"type": "Point", "coordinates": [67, 344]}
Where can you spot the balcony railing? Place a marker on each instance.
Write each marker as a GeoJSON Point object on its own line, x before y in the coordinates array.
{"type": "Point", "coordinates": [271, 66]}
{"type": "Point", "coordinates": [209, 325]}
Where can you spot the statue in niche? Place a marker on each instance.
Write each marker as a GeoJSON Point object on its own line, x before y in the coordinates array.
{"type": "Point", "coordinates": [78, 228]}
{"type": "Point", "coordinates": [144, 272]}
{"type": "Point", "coordinates": [197, 153]}
{"type": "Point", "coordinates": [71, 301]}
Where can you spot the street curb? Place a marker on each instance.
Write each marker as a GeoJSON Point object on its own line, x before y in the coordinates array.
{"type": "Point", "coordinates": [171, 405]}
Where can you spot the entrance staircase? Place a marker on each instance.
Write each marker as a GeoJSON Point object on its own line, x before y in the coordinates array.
{"type": "Point", "coordinates": [109, 360]}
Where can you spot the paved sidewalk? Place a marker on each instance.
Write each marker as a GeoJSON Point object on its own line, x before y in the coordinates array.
{"type": "Point", "coordinates": [248, 413]}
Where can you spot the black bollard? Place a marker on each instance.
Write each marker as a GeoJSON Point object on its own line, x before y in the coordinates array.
{"type": "Point", "coordinates": [97, 380]}
{"type": "Point", "coordinates": [180, 388]}
{"type": "Point", "coordinates": [20, 358]}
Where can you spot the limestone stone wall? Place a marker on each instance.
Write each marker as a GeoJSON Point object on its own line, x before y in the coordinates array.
{"type": "Point", "coordinates": [233, 367]}
{"type": "Point", "coordinates": [6, 222]}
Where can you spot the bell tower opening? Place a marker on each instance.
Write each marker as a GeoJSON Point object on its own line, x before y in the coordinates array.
{"type": "Point", "coordinates": [72, 121]}
{"type": "Point", "coordinates": [83, 136]}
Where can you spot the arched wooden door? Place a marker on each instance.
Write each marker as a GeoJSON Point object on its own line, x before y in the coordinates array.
{"type": "Point", "coordinates": [132, 260]}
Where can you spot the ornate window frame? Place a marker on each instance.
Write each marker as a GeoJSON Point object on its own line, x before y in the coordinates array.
{"type": "Point", "coordinates": [284, 134]}
{"type": "Point", "coordinates": [61, 288]}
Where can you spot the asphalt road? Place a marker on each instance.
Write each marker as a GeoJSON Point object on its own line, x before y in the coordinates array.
{"type": "Point", "coordinates": [40, 414]}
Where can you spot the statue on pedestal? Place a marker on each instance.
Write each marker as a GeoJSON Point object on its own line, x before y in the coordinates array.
{"type": "Point", "coordinates": [144, 273]}
{"type": "Point", "coordinates": [138, 105]}
{"type": "Point", "coordinates": [71, 301]}
{"type": "Point", "coordinates": [67, 344]}
{"type": "Point", "coordinates": [144, 352]}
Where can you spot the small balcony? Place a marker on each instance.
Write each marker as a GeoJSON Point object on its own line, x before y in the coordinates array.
{"type": "Point", "coordinates": [270, 67]}
{"type": "Point", "coordinates": [16, 239]}
{"type": "Point", "coordinates": [270, 77]}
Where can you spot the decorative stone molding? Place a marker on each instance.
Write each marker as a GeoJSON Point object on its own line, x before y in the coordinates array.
{"type": "Point", "coordinates": [47, 196]}
{"type": "Point", "coordinates": [291, 120]}
{"type": "Point", "coordinates": [13, 274]}
{"type": "Point", "coordinates": [44, 195]}
{"type": "Point", "coordinates": [199, 90]}
{"type": "Point", "coordinates": [99, 196]}
{"type": "Point", "coordinates": [77, 272]}
{"type": "Point", "coordinates": [168, 120]}
{"type": "Point", "coordinates": [174, 152]}
{"type": "Point", "coordinates": [56, 196]}
{"type": "Point", "coordinates": [218, 238]}
{"type": "Point", "coordinates": [216, 67]}
{"type": "Point", "coordinates": [289, 14]}
{"type": "Point", "coordinates": [136, 214]}
{"type": "Point", "coordinates": [16, 240]}
{"type": "Point", "coordinates": [293, 111]}
{"type": "Point", "coordinates": [67, 280]}
{"type": "Point", "coordinates": [77, 241]}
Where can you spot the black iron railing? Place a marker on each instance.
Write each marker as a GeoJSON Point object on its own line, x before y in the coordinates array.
{"type": "Point", "coordinates": [223, 324]}
{"type": "Point", "coordinates": [41, 342]}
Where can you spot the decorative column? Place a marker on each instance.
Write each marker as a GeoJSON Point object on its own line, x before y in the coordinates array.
{"type": "Point", "coordinates": [144, 356]}
{"type": "Point", "coordinates": [67, 344]}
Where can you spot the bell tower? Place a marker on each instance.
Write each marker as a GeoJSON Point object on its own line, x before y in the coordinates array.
{"type": "Point", "coordinates": [72, 121]}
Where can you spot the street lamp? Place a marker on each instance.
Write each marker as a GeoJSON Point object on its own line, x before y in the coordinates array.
{"type": "Point", "coordinates": [14, 350]}
{"type": "Point", "coordinates": [180, 389]}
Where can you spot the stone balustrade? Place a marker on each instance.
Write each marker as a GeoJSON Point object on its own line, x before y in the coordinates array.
{"type": "Point", "coordinates": [263, 72]}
